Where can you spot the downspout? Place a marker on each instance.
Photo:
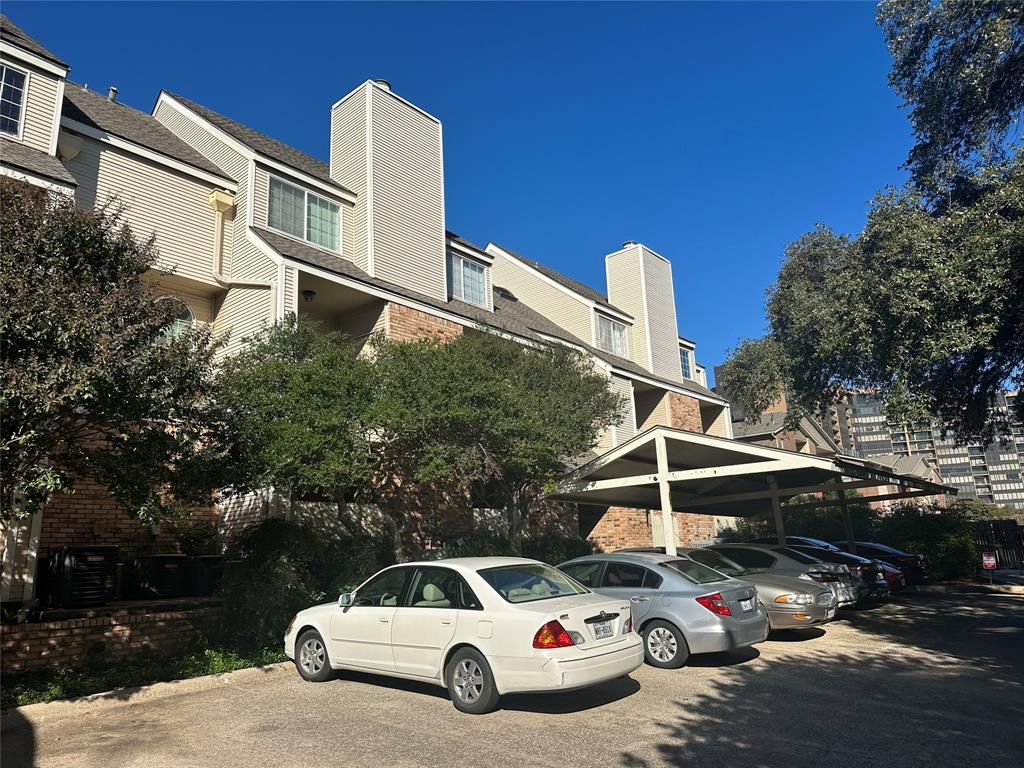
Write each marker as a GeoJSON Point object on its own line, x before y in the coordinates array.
{"type": "Point", "coordinates": [224, 203]}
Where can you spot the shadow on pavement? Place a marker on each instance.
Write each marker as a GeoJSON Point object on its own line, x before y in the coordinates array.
{"type": "Point", "coordinates": [796, 635]}
{"type": "Point", "coordinates": [572, 701]}
{"type": "Point", "coordinates": [724, 659]}
{"type": "Point", "coordinates": [948, 691]}
{"type": "Point", "coordinates": [17, 740]}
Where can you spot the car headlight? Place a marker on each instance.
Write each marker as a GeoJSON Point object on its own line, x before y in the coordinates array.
{"type": "Point", "coordinates": [800, 599]}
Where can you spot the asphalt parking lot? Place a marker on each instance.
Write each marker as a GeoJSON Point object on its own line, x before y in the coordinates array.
{"type": "Point", "coordinates": [927, 680]}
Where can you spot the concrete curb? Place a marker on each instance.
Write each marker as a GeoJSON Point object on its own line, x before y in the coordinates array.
{"type": "Point", "coordinates": [965, 586]}
{"type": "Point", "coordinates": [58, 710]}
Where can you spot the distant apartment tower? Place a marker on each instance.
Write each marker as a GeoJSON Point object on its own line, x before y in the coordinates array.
{"type": "Point", "coordinates": [994, 473]}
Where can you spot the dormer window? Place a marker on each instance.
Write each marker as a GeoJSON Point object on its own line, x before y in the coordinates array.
{"type": "Point", "coordinates": [302, 214]}
{"type": "Point", "coordinates": [686, 363]}
{"type": "Point", "coordinates": [12, 98]}
{"type": "Point", "coordinates": [467, 280]}
{"type": "Point", "coordinates": [611, 336]}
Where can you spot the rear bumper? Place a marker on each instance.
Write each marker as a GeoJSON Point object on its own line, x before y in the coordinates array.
{"type": "Point", "coordinates": [566, 673]}
{"type": "Point", "coordinates": [726, 637]}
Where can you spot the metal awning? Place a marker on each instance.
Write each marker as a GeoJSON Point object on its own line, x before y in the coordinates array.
{"type": "Point", "coordinates": [670, 469]}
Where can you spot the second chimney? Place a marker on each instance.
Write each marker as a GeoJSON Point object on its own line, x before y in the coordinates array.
{"type": "Point", "coordinates": [111, 93]}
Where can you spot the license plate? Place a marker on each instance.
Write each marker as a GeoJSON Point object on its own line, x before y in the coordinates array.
{"type": "Point", "coordinates": [747, 605]}
{"type": "Point", "coordinates": [602, 629]}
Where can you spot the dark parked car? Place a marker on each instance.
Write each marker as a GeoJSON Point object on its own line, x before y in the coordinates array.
{"type": "Point", "coordinates": [869, 576]}
{"type": "Point", "coordinates": [913, 566]}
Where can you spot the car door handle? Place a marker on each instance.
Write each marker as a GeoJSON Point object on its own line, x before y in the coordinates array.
{"type": "Point", "coordinates": [446, 621]}
{"type": "Point", "coordinates": [639, 599]}
{"type": "Point", "coordinates": [382, 620]}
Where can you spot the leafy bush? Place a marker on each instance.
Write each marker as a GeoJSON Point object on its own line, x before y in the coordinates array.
{"type": "Point", "coordinates": [944, 536]}
{"type": "Point", "coordinates": [556, 549]}
{"type": "Point", "coordinates": [282, 568]}
{"type": "Point", "coordinates": [478, 546]}
{"type": "Point", "coordinates": [21, 688]}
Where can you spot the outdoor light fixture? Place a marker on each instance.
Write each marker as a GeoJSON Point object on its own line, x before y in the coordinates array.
{"type": "Point", "coordinates": [308, 295]}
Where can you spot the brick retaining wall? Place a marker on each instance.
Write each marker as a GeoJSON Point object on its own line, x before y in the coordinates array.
{"type": "Point", "coordinates": [72, 642]}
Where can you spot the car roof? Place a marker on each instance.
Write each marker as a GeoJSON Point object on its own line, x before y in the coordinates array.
{"type": "Point", "coordinates": [476, 563]}
{"type": "Point", "coordinates": [639, 558]}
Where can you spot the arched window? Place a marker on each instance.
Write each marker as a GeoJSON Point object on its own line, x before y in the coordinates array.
{"type": "Point", "coordinates": [183, 322]}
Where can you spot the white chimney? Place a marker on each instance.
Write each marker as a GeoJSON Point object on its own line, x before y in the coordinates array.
{"type": "Point", "coordinates": [388, 151]}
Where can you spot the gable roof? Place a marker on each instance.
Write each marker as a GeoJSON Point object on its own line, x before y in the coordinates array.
{"type": "Point", "coordinates": [35, 161]}
{"type": "Point", "coordinates": [565, 281]}
{"type": "Point", "coordinates": [263, 144]}
{"type": "Point", "coordinates": [13, 34]}
{"type": "Point", "coordinates": [96, 111]}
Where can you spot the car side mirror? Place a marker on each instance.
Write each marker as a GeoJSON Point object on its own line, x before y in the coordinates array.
{"type": "Point", "coordinates": [345, 599]}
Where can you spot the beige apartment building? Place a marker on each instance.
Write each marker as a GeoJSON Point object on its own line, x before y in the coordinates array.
{"type": "Point", "coordinates": [250, 230]}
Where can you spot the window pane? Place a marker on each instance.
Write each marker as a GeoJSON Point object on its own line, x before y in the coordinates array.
{"type": "Point", "coordinates": [611, 336]}
{"type": "Point", "coordinates": [287, 208]}
{"type": "Point", "coordinates": [12, 91]}
{"type": "Point", "coordinates": [529, 582]}
{"type": "Point", "coordinates": [322, 222]}
{"type": "Point", "coordinates": [473, 283]}
{"type": "Point", "coordinates": [695, 572]}
{"type": "Point", "coordinates": [684, 362]}
{"type": "Point", "coordinates": [623, 575]}
{"type": "Point", "coordinates": [433, 588]}
{"type": "Point", "coordinates": [384, 589]}
{"type": "Point", "coordinates": [585, 573]}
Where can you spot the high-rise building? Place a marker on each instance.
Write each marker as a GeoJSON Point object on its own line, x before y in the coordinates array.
{"type": "Point", "coordinates": [993, 473]}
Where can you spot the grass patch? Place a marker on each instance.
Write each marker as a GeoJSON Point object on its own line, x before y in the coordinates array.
{"type": "Point", "coordinates": [20, 688]}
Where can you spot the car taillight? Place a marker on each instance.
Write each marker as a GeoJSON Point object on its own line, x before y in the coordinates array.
{"type": "Point", "coordinates": [627, 627]}
{"type": "Point", "coordinates": [715, 604]}
{"type": "Point", "coordinates": [552, 635]}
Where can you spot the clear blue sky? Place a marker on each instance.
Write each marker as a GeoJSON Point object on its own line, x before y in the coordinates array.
{"type": "Point", "coordinates": [713, 132]}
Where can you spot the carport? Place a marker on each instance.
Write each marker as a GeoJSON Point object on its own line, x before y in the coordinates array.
{"type": "Point", "coordinates": [672, 470]}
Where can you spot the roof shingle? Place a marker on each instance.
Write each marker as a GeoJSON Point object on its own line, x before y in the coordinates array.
{"type": "Point", "coordinates": [96, 111]}
{"type": "Point", "coordinates": [263, 144]}
{"type": "Point", "coordinates": [35, 161]}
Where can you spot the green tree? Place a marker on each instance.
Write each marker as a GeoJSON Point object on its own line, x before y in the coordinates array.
{"type": "Point", "coordinates": [298, 399]}
{"type": "Point", "coordinates": [959, 66]}
{"type": "Point", "coordinates": [93, 384]}
{"type": "Point", "coordinates": [486, 412]}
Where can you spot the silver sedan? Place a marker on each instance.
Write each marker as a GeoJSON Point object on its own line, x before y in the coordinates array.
{"type": "Point", "coordinates": [679, 606]}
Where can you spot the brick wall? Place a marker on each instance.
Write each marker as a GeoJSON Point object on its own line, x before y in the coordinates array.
{"type": "Point", "coordinates": [72, 642]}
{"type": "Point", "coordinates": [91, 516]}
{"type": "Point", "coordinates": [615, 527]}
{"type": "Point", "coordinates": [407, 324]}
{"type": "Point", "coordinates": [684, 413]}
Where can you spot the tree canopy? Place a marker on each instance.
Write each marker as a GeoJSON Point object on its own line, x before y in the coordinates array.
{"type": "Point", "coordinates": [925, 307]}
{"type": "Point", "coordinates": [94, 384]}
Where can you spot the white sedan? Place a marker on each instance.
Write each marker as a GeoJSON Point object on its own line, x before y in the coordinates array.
{"type": "Point", "coordinates": [478, 626]}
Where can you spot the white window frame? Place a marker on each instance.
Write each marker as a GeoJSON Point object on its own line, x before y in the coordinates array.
{"type": "Point", "coordinates": [305, 213]}
{"type": "Point", "coordinates": [599, 316]}
{"type": "Point", "coordinates": [457, 289]}
{"type": "Point", "coordinates": [24, 101]}
{"type": "Point", "coordinates": [692, 364]}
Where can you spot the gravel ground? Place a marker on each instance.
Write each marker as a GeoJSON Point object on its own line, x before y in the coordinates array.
{"type": "Point", "coordinates": [927, 680]}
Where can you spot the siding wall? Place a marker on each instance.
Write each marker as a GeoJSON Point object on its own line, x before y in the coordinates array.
{"type": "Point", "coordinates": [157, 201]}
{"type": "Point", "coordinates": [241, 312]}
{"type": "Point", "coordinates": [640, 282]}
{"type": "Point", "coordinates": [625, 290]}
{"type": "Point", "coordinates": [661, 316]}
{"type": "Point", "coordinates": [39, 105]}
{"type": "Point", "coordinates": [559, 307]}
{"type": "Point", "coordinates": [626, 428]}
{"type": "Point", "coordinates": [408, 196]}
{"type": "Point", "coordinates": [349, 168]}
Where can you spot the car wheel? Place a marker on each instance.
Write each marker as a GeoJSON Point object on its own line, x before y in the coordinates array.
{"type": "Point", "coordinates": [311, 658]}
{"type": "Point", "coordinates": [470, 682]}
{"type": "Point", "coordinates": [664, 645]}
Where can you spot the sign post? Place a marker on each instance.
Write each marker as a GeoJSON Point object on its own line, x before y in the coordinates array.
{"type": "Point", "coordinates": [988, 563]}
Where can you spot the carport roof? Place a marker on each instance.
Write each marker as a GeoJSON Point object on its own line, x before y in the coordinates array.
{"type": "Point", "coordinates": [716, 475]}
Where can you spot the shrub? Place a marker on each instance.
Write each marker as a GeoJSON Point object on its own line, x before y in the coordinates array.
{"type": "Point", "coordinates": [478, 546]}
{"type": "Point", "coordinates": [944, 536]}
{"type": "Point", "coordinates": [556, 549]}
{"type": "Point", "coordinates": [283, 567]}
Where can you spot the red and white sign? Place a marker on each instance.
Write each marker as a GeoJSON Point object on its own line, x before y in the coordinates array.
{"type": "Point", "coordinates": [988, 560]}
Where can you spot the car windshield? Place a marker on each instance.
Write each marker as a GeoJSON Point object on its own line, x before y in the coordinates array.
{"type": "Point", "coordinates": [695, 572]}
{"type": "Point", "coordinates": [530, 581]}
{"type": "Point", "coordinates": [718, 561]}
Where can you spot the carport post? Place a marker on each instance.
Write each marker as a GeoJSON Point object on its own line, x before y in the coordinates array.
{"type": "Point", "coordinates": [780, 529]}
{"type": "Point", "coordinates": [666, 495]}
{"type": "Point", "coordinates": [844, 507]}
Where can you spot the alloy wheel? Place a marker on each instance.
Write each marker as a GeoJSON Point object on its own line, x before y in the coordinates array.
{"type": "Point", "coordinates": [468, 681]}
{"type": "Point", "coordinates": [661, 644]}
{"type": "Point", "coordinates": [312, 656]}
